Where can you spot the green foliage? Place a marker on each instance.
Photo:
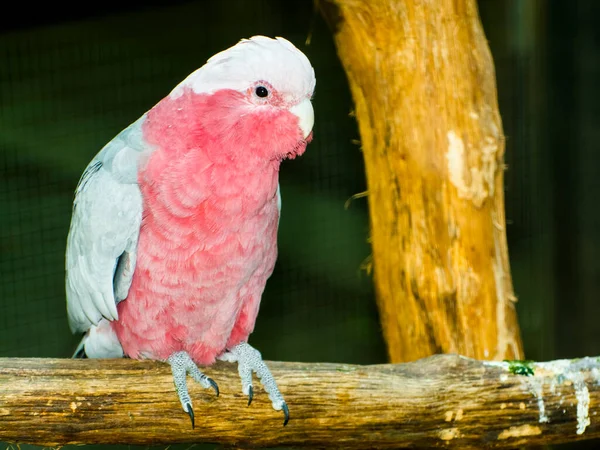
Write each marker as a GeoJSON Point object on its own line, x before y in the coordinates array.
{"type": "Point", "coordinates": [521, 367]}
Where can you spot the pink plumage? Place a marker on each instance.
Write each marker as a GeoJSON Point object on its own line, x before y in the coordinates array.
{"type": "Point", "coordinates": [209, 231]}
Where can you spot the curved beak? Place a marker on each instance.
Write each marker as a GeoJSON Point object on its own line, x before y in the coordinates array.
{"type": "Point", "coordinates": [306, 116]}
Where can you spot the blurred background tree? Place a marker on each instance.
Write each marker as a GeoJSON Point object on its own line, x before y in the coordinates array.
{"type": "Point", "coordinates": [72, 78]}
{"type": "Point", "coordinates": [424, 87]}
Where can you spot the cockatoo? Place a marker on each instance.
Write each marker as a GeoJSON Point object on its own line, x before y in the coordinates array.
{"type": "Point", "coordinates": [174, 226]}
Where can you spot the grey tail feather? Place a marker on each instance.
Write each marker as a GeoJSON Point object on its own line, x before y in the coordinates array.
{"type": "Point", "coordinates": [80, 350]}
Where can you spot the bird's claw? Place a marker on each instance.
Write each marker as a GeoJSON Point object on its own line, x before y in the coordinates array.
{"type": "Point", "coordinates": [214, 385]}
{"type": "Point", "coordinates": [286, 413]}
{"type": "Point", "coordinates": [250, 360]}
{"type": "Point", "coordinates": [190, 411]}
{"type": "Point", "coordinates": [181, 366]}
{"type": "Point", "coordinates": [250, 394]}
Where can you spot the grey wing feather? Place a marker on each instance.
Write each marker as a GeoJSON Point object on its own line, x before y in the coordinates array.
{"type": "Point", "coordinates": [102, 241]}
{"type": "Point", "coordinates": [278, 193]}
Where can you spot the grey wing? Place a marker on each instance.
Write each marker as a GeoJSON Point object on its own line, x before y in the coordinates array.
{"type": "Point", "coordinates": [278, 198]}
{"type": "Point", "coordinates": [102, 241]}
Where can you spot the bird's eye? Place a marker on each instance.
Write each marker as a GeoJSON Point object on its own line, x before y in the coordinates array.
{"type": "Point", "coordinates": [261, 91]}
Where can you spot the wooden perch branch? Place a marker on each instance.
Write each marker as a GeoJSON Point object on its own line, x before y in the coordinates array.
{"type": "Point", "coordinates": [443, 400]}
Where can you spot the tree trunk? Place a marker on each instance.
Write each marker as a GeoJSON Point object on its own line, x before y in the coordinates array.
{"type": "Point", "coordinates": [423, 83]}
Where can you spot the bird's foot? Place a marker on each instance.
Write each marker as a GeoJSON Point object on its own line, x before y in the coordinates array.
{"type": "Point", "coordinates": [181, 366]}
{"type": "Point", "coordinates": [250, 360]}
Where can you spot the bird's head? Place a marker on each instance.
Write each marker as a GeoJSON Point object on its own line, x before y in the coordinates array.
{"type": "Point", "coordinates": [254, 97]}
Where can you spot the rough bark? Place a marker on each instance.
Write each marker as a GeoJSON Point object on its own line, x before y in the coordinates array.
{"type": "Point", "coordinates": [423, 83]}
{"type": "Point", "coordinates": [442, 401]}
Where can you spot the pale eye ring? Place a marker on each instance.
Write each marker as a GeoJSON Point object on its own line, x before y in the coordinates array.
{"type": "Point", "coordinates": [261, 91]}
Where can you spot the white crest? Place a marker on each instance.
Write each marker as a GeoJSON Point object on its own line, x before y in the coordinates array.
{"type": "Point", "coordinates": [260, 58]}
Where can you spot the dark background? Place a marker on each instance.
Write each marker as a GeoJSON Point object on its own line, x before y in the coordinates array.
{"type": "Point", "coordinates": [72, 77]}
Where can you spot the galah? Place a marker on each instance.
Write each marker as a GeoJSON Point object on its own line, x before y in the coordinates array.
{"type": "Point", "coordinates": [174, 226]}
